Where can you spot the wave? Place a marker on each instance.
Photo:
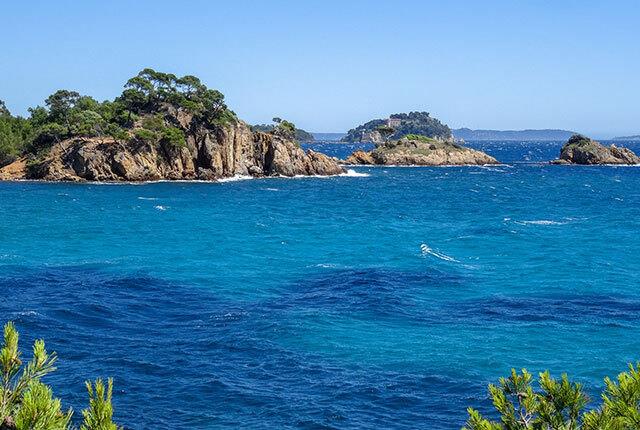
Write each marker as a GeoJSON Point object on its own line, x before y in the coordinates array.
{"type": "Point", "coordinates": [426, 250]}
{"type": "Point", "coordinates": [148, 198]}
{"type": "Point", "coordinates": [161, 208]}
{"type": "Point", "coordinates": [234, 178]}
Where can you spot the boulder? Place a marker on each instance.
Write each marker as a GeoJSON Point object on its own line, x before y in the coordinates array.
{"type": "Point", "coordinates": [583, 150]}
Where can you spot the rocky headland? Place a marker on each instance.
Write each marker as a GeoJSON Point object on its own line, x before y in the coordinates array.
{"type": "Point", "coordinates": [583, 150]}
{"type": "Point", "coordinates": [414, 150]}
{"type": "Point", "coordinates": [161, 128]}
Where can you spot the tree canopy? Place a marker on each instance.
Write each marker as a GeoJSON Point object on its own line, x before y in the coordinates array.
{"type": "Point", "coordinates": [408, 123]}
{"type": "Point", "coordinates": [67, 114]}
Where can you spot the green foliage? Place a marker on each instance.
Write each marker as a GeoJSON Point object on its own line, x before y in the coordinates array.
{"type": "Point", "coordinates": [15, 132]}
{"type": "Point", "coordinates": [155, 130]}
{"type": "Point", "coordinates": [40, 411]}
{"type": "Point", "coordinates": [419, 138]}
{"type": "Point", "coordinates": [28, 404]}
{"type": "Point", "coordinates": [150, 91]}
{"type": "Point", "coordinates": [15, 383]}
{"type": "Point", "coordinates": [147, 136]}
{"type": "Point", "coordinates": [3, 109]}
{"type": "Point", "coordinates": [286, 129]}
{"type": "Point", "coordinates": [174, 137]}
{"type": "Point", "coordinates": [560, 404]}
{"type": "Point", "coordinates": [99, 415]}
{"type": "Point", "coordinates": [150, 95]}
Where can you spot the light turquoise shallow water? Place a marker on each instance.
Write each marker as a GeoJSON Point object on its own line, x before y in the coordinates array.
{"type": "Point", "coordinates": [383, 300]}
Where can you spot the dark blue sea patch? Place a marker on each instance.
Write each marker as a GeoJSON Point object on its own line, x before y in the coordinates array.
{"type": "Point", "coordinates": [184, 358]}
{"type": "Point", "coordinates": [378, 291]}
{"type": "Point", "coordinates": [561, 308]}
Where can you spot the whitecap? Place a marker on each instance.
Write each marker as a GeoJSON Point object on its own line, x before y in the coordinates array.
{"type": "Point", "coordinates": [426, 250]}
{"type": "Point", "coordinates": [161, 208]}
{"type": "Point", "coordinates": [236, 178]}
{"type": "Point", "coordinates": [352, 173]}
{"type": "Point", "coordinates": [147, 198]}
{"type": "Point", "coordinates": [541, 222]}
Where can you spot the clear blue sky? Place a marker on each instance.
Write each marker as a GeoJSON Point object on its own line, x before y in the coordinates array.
{"type": "Point", "coordinates": [329, 65]}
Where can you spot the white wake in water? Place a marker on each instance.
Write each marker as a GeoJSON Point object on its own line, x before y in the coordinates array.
{"type": "Point", "coordinates": [426, 250]}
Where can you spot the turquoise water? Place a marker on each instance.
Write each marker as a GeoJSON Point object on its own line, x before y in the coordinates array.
{"type": "Point", "coordinates": [384, 300]}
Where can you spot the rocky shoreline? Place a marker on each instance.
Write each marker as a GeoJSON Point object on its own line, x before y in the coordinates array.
{"type": "Point", "coordinates": [208, 154]}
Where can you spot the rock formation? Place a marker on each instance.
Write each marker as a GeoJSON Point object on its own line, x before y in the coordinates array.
{"type": "Point", "coordinates": [421, 151]}
{"type": "Point", "coordinates": [209, 153]}
{"type": "Point", "coordinates": [582, 150]}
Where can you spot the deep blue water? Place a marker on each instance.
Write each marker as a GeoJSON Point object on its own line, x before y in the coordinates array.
{"type": "Point", "coordinates": [380, 301]}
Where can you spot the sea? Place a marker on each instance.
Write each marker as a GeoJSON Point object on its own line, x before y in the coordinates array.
{"type": "Point", "coordinates": [385, 298]}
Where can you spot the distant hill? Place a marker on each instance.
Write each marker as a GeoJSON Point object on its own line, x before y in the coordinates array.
{"type": "Point", "coordinates": [634, 137]}
{"type": "Point", "coordinates": [328, 136]}
{"type": "Point", "coordinates": [468, 134]}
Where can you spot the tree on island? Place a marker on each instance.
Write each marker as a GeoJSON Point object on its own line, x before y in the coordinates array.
{"type": "Point", "coordinates": [385, 131]}
{"type": "Point", "coordinates": [68, 114]}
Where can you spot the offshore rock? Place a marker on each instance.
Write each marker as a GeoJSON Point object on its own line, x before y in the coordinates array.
{"type": "Point", "coordinates": [421, 151]}
{"type": "Point", "coordinates": [582, 150]}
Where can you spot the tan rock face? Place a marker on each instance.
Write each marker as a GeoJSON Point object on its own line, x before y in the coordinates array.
{"type": "Point", "coordinates": [360, 157]}
{"type": "Point", "coordinates": [421, 153]}
{"type": "Point", "coordinates": [209, 154]}
{"type": "Point", "coordinates": [14, 171]}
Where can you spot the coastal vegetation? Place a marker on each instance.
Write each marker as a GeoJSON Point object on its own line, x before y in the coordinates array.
{"type": "Point", "coordinates": [161, 127]}
{"type": "Point", "coordinates": [67, 114]}
{"type": "Point", "coordinates": [287, 128]}
{"type": "Point", "coordinates": [561, 404]}
{"type": "Point", "coordinates": [26, 403]}
{"type": "Point", "coordinates": [398, 126]}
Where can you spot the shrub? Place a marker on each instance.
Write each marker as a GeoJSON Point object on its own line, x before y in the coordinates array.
{"type": "Point", "coordinates": [28, 404]}
{"type": "Point", "coordinates": [99, 415]}
{"type": "Point", "coordinates": [174, 137]}
{"type": "Point", "coordinates": [560, 404]}
{"type": "Point", "coordinates": [145, 135]}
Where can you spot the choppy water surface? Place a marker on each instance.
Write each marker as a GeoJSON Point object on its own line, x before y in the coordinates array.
{"type": "Point", "coordinates": [380, 301]}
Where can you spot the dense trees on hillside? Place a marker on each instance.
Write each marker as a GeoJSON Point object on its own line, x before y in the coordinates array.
{"type": "Point", "coordinates": [407, 123]}
{"type": "Point", "coordinates": [286, 128]}
{"type": "Point", "coordinates": [68, 114]}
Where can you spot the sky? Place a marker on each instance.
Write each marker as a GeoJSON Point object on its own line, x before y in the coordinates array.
{"type": "Point", "coordinates": [330, 65]}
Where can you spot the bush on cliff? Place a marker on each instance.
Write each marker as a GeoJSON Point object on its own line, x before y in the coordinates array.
{"type": "Point", "coordinates": [28, 404]}
{"type": "Point", "coordinates": [560, 404]}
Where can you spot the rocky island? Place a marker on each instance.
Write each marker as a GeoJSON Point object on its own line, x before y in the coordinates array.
{"type": "Point", "coordinates": [397, 126]}
{"type": "Point", "coordinates": [421, 151]}
{"type": "Point", "coordinates": [583, 150]}
{"type": "Point", "coordinates": [161, 127]}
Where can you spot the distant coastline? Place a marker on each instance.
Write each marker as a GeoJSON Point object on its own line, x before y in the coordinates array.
{"type": "Point", "coordinates": [529, 134]}
{"type": "Point", "coordinates": [627, 138]}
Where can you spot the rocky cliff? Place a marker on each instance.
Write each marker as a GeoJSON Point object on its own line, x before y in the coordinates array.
{"type": "Point", "coordinates": [421, 151]}
{"type": "Point", "coordinates": [582, 150]}
{"type": "Point", "coordinates": [208, 153]}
